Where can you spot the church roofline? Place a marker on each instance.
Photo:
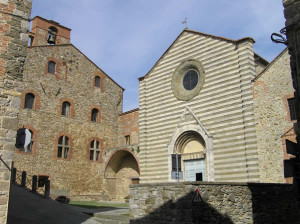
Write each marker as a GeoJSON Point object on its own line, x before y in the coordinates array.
{"type": "Point", "coordinates": [261, 59]}
{"type": "Point", "coordinates": [65, 45]}
{"type": "Point", "coordinates": [269, 65]}
{"type": "Point", "coordinates": [198, 33]}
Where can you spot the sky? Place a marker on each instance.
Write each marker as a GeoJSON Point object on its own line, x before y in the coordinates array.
{"type": "Point", "coordinates": [125, 38]}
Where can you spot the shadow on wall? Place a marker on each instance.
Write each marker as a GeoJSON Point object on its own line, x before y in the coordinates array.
{"type": "Point", "coordinates": [221, 203]}
{"type": "Point", "coordinates": [274, 203]}
{"type": "Point", "coordinates": [182, 211]}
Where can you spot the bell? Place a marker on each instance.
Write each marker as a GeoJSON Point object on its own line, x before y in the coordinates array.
{"type": "Point", "coordinates": [51, 38]}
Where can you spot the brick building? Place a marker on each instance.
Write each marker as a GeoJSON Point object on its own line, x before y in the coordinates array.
{"type": "Point", "coordinates": [73, 110]}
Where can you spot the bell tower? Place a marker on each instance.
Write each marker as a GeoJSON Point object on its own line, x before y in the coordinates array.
{"type": "Point", "coordinates": [48, 32]}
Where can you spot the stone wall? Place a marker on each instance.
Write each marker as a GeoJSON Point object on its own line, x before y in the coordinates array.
{"type": "Point", "coordinates": [271, 90]}
{"type": "Point", "coordinates": [73, 81]}
{"type": "Point", "coordinates": [218, 203]}
{"type": "Point", "coordinates": [129, 126]}
{"type": "Point", "coordinates": [14, 25]}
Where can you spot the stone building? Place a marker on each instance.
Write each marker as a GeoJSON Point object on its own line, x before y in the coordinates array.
{"type": "Point", "coordinates": [73, 110]}
{"type": "Point", "coordinates": [14, 17]}
{"type": "Point", "coordinates": [275, 115]}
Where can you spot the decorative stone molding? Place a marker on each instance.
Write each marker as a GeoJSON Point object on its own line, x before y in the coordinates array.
{"type": "Point", "coordinates": [177, 79]}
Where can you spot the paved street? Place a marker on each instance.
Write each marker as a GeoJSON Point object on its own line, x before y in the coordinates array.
{"type": "Point", "coordinates": [28, 208]}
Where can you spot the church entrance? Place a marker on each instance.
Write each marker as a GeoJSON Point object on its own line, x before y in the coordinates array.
{"type": "Point", "coordinates": [121, 170]}
{"type": "Point", "coordinates": [190, 147]}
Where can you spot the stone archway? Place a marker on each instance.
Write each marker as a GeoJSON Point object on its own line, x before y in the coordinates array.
{"type": "Point", "coordinates": [121, 170]}
{"type": "Point", "coordinates": [191, 147]}
{"type": "Point", "coordinates": [186, 139]}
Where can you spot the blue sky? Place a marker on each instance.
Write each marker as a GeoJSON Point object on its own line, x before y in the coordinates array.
{"type": "Point", "coordinates": [126, 37]}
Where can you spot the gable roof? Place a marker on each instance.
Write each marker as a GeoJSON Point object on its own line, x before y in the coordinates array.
{"type": "Point", "coordinates": [269, 65]}
{"type": "Point", "coordinates": [202, 34]}
{"type": "Point", "coordinates": [64, 45]}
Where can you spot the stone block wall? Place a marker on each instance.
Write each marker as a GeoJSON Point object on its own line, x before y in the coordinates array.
{"type": "Point", "coordinates": [271, 90]}
{"type": "Point", "coordinates": [129, 126]}
{"type": "Point", "coordinates": [14, 25]}
{"type": "Point", "coordinates": [73, 80]}
{"type": "Point", "coordinates": [220, 203]}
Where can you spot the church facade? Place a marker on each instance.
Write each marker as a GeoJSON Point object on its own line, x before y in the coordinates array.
{"type": "Point", "coordinates": [197, 113]}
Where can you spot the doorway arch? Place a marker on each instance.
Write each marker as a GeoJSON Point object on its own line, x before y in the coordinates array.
{"type": "Point", "coordinates": [121, 170]}
{"type": "Point", "coordinates": [193, 142]}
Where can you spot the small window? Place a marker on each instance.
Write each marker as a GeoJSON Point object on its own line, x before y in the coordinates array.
{"type": "Point", "coordinates": [94, 116]}
{"type": "Point", "coordinates": [63, 147]}
{"type": "Point", "coordinates": [190, 79]}
{"type": "Point", "coordinates": [94, 150]}
{"type": "Point", "coordinates": [97, 81]}
{"type": "Point", "coordinates": [66, 108]}
{"type": "Point", "coordinates": [292, 107]}
{"type": "Point", "coordinates": [127, 139]}
{"type": "Point", "coordinates": [51, 67]}
{"type": "Point", "coordinates": [29, 101]}
{"type": "Point", "coordinates": [30, 41]}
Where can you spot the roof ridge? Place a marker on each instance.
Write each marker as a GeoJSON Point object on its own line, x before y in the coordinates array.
{"type": "Point", "coordinates": [199, 33]}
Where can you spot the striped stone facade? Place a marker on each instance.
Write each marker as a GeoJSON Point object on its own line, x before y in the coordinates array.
{"type": "Point", "coordinates": [222, 113]}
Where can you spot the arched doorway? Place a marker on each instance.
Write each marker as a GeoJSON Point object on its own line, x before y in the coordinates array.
{"type": "Point", "coordinates": [121, 170]}
{"type": "Point", "coordinates": [191, 147]}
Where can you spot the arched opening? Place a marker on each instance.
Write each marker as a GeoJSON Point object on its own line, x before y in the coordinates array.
{"type": "Point", "coordinates": [191, 148]}
{"type": "Point", "coordinates": [52, 34]}
{"type": "Point", "coordinates": [122, 169]}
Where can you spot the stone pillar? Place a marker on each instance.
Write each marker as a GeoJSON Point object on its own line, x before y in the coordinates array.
{"type": "Point", "coordinates": [14, 25]}
{"type": "Point", "coordinates": [292, 15]}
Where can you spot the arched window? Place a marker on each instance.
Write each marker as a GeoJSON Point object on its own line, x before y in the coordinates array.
{"type": "Point", "coordinates": [29, 101]}
{"type": "Point", "coordinates": [63, 147]}
{"type": "Point", "coordinates": [66, 109]}
{"type": "Point", "coordinates": [97, 81]}
{"type": "Point", "coordinates": [94, 150]}
{"type": "Point", "coordinates": [94, 116]}
{"type": "Point", "coordinates": [51, 67]}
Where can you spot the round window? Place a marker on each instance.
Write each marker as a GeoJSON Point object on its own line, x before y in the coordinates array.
{"type": "Point", "coordinates": [190, 79]}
